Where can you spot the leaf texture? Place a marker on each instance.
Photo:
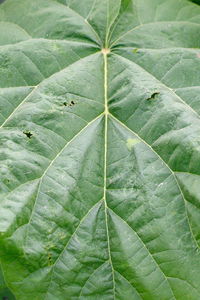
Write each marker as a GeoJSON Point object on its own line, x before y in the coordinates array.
{"type": "Point", "coordinates": [100, 150]}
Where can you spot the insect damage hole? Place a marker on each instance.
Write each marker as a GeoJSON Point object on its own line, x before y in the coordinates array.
{"type": "Point", "coordinates": [153, 96]}
{"type": "Point", "coordinates": [72, 103]}
{"type": "Point", "coordinates": [28, 134]}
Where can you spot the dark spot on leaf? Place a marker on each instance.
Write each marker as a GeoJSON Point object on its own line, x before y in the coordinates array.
{"type": "Point", "coordinates": [65, 103]}
{"type": "Point", "coordinates": [50, 259]}
{"type": "Point", "coordinates": [5, 298]}
{"type": "Point", "coordinates": [153, 96]}
{"type": "Point", "coordinates": [28, 134]}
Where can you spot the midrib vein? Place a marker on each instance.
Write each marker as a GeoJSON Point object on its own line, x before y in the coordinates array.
{"type": "Point", "coordinates": [106, 112]}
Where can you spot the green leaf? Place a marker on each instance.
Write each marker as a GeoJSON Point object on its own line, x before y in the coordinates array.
{"type": "Point", "coordinates": [100, 150]}
{"type": "Point", "coordinates": [5, 293]}
{"type": "Point", "coordinates": [196, 1]}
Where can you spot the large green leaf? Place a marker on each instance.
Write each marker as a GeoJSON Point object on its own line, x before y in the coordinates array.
{"type": "Point", "coordinates": [100, 149]}
{"type": "Point", "coordinates": [5, 293]}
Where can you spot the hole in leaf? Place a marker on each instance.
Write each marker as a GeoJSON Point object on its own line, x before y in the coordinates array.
{"type": "Point", "coordinates": [28, 134]}
{"type": "Point", "coordinates": [72, 103]}
{"type": "Point", "coordinates": [153, 96]}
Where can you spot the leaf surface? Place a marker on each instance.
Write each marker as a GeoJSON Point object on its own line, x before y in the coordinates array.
{"type": "Point", "coordinates": [100, 150]}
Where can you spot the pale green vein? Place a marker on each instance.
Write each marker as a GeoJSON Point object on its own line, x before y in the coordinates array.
{"type": "Point", "coordinates": [105, 162]}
